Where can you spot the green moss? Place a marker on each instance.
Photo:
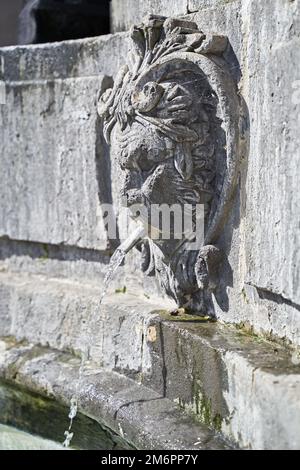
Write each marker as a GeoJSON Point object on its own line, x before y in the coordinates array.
{"type": "Point", "coordinates": [201, 408]}
{"type": "Point", "coordinates": [206, 414]}
{"type": "Point", "coordinates": [217, 422]}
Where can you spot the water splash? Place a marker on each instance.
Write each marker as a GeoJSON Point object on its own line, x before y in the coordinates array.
{"type": "Point", "coordinates": [72, 414]}
{"type": "Point", "coordinates": [115, 261]}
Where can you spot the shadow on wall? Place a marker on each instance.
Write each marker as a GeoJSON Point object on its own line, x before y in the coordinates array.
{"type": "Point", "coordinates": [239, 197]}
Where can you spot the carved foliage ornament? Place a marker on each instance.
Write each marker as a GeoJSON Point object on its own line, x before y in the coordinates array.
{"type": "Point", "coordinates": [172, 120]}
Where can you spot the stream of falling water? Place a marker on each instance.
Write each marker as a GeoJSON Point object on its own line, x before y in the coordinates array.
{"type": "Point", "coordinates": [115, 261]}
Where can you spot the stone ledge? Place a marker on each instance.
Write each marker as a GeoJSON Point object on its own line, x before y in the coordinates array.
{"type": "Point", "coordinates": [74, 58]}
{"type": "Point", "coordinates": [65, 315]}
{"type": "Point", "coordinates": [231, 380]}
{"type": "Point", "coordinates": [139, 415]}
{"type": "Point", "coordinates": [222, 376]}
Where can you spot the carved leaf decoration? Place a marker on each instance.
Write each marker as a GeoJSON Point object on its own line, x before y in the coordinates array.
{"type": "Point", "coordinates": [179, 35]}
{"type": "Point", "coordinates": [138, 41]}
{"type": "Point", "coordinates": [175, 23]}
{"type": "Point", "coordinates": [103, 101]}
{"type": "Point", "coordinates": [152, 37]}
{"type": "Point", "coordinates": [192, 41]}
{"type": "Point", "coordinates": [174, 131]}
{"type": "Point", "coordinates": [213, 45]}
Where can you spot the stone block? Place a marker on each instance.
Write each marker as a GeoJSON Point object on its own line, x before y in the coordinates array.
{"type": "Point", "coordinates": [49, 163]}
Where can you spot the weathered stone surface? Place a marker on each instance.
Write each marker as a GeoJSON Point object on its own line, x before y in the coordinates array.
{"type": "Point", "coordinates": [47, 183]}
{"type": "Point", "coordinates": [272, 205]}
{"type": "Point", "coordinates": [82, 58]}
{"type": "Point", "coordinates": [55, 261]}
{"type": "Point", "coordinates": [140, 416]}
{"type": "Point", "coordinates": [230, 380]}
{"type": "Point", "coordinates": [262, 238]}
{"type": "Point", "coordinates": [66, 315]}
{"type": "Point", "coordinates": [197, 5]}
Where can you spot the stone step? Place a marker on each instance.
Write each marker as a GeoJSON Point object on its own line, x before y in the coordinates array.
{"type": "Point", "coordinates": [141, 416]}
{"type": "Point", "coordinates": [240, 384]}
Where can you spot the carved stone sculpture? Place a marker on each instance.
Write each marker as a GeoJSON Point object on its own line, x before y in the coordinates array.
{"type": "Point", "coordinates": [173, 119]}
